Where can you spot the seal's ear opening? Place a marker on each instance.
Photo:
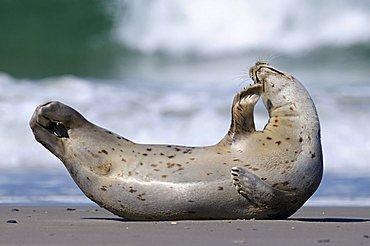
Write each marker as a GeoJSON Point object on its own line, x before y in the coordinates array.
{"type": "Point", "coordinates": [58, 129]}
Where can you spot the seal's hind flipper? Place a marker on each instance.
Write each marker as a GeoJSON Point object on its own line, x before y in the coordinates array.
{"type": "Point", "coordinates": [257, 191]}
{"type": "Point", "coordinates": [242, 121]}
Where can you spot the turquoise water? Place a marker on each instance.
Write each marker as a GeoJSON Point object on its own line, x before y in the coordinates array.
{"type": "Point", "coordinates": [155, 71]}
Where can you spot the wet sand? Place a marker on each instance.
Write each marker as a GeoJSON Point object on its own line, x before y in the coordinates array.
{"type": "Point", "coordinates": [90, 225]}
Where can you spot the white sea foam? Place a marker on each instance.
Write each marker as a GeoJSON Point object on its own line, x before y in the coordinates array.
{"type": "Point", "coordinates": [212, 28]}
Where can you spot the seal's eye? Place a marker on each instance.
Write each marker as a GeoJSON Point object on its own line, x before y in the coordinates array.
{"type": "Point", "coordinates": [58, 129]}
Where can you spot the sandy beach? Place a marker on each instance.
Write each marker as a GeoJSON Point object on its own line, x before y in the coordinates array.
{"type": "Point", "coordinates": [90, 225]}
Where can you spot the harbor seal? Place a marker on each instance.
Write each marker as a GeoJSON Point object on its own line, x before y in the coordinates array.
{"type": "Point", "coordinates": [267, 174]}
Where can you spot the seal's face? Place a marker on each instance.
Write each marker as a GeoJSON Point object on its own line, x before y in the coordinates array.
{"type": "Point", "coordinates": [276, 84]}
{"type": "Point", "coordinates": [51, 123]}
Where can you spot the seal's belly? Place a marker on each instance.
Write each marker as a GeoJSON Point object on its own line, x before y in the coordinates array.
{"type": "Point", "coordinates": [161, 200]}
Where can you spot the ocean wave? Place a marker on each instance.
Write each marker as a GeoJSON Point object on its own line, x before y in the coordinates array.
{"type": "Point", "coordinates": [213, 28]}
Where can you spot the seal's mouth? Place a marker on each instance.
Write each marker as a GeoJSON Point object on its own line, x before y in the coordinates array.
{"type": "Point", "coordinates": [253, 71]}
{"type": "Point", "coordinates": [55, 127]}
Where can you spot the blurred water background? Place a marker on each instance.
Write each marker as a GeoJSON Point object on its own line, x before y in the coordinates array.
{"type": "Point", "coordinates": [165, 71]}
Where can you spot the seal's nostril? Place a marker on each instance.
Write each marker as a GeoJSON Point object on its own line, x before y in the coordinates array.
{"type": "Point", "coordinates": [58, 129]}
{"type": "Point", "coordinates": [43, 105]}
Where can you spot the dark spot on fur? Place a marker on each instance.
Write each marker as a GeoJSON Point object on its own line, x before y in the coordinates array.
{"type": "Point", "coordinates": [103, 188]}
{"type": "Point", "coordinates": [109, 132]}
{"type": "Point", "coordinates": [209, 174]}
{"type": "Point", "coordinates": [118, 137]}
{"type": "Point", "coordinates": [313, 155]}
{"type": "Point", "coordinates": [132, 190]}
{"type": "Point", "coordinates": [129, 173]}
{"type": "Point", "coordinates": [263, 178]}
{"type": "Point", "coordinates": [148, 149]}
{"type": "Point", "coordinates": [141, 163]}
{"type": "Point", "coordinates": [156, 169]}
{"type": "Point", "coordinates": [145, 154]}
{"type": "Point", "coordinates": [291, 108]}
{"type": "Point", "coordinates": [274, 125]}
{"type": "Point", "coordinates": [220, 188]}
{"type": "Point", "coordinates": [287, 139]}
{"type": "Point", "coordinates": [164, 176]}
{"type": "Point", "coordinates": [191, 201]}
{"type": "Point", "coordinates": [268, 138]}
{"type": "Point", "coordinates": [278, 142]}
{"type": "Point", "coordinates": [141, 196]}
{"type": "Point", "coordinates": [88, 178]}
{"type": "Point", "coordinates": [170, 165]}
{"type": "Point", "coordinates": [123, 159]}
{"type": "Point", "coordinates": [161, 154]}
{"type": "Point", "coordinates": [187, 151]}
{"type": "Point", "coordinates": [192, 159]}
{"type": "Point", "coordinates": [153, 165]}
{"type": "Point", "coordinates": [255, 169]}
{"type": "Point", "coordinates": [300, 139]}
{"type": "Point", "coordinates": [171, 156]}
{"type": "Point", "coordinates": [236, 159]}
{"type": "Point", "coordinates": [103, 151]}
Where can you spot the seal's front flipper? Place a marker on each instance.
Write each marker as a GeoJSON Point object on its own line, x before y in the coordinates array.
{"type": "Point", "coordinates": [242, 121]}
{"type": "Point", "coordinates": [257, 191]}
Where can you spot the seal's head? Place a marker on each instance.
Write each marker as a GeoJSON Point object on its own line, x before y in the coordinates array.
{"type": "Point", "coordinates": [78, 143]}
{"type": "Point", "coordinates": [51, 124]}
{"type": "Point", "coordinates": [279, 88]}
